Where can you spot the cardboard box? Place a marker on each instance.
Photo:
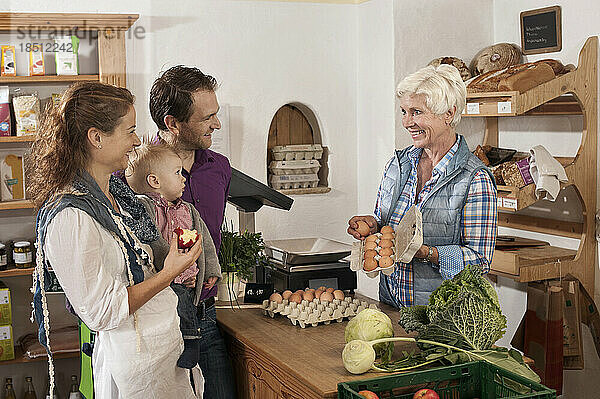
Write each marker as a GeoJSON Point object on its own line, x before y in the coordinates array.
{"type": "Point", "coordinates": [589, 316]}
{"type": "Point", "coordinates": [4, 111]}
{"type": "Point", "coordinates": [12, 175]}
{"type": "Point", "coordinates": [5, 306]}
{"type": "Point", "coordinates": [7, 347]}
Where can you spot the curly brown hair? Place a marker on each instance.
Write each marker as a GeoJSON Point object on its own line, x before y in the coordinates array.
{"type": "Point", "coordinates": [61, 147]}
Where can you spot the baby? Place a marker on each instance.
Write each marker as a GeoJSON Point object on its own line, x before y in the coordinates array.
{"type": "Point", "coordinates": [155, 173]}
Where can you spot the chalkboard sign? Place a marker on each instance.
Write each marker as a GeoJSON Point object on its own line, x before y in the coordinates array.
{"type": "Point", "coordinates": [541, 30]}
{"type": "Point", "coordinates": [257, 293]}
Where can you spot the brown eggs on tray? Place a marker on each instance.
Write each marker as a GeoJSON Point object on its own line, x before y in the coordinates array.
{"type": "Point", "coordinates": [332, 305]}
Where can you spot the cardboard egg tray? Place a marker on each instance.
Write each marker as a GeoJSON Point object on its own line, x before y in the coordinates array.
{"type": "Point", "coordinates": [297, 152]}
{"type": "Point", "coordinates": [313, 313]}
{"type": "Point", "coordinates": [409, 238]}
{"type": "Point", "coordinates": [304, 167]}
{"type": "Point", "coordinates": [280, 182]}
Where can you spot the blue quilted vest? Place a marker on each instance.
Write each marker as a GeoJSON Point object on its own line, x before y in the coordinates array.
{"type": "Point", "coordinates": [442, 212]}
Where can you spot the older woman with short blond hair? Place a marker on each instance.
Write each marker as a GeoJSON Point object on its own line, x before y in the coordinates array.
{"type": "Point", "coordinates": [438, 174]}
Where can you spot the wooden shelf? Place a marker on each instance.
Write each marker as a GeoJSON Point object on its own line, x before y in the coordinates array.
{"type": "Point", "coordinates": [21, 358]}
{"type": "Point", "coordinates": [17, 139]}
{"type": "Point", "coordinates": [14, 272]}
{"type": "Point", "coordinates": [298, 191]}
{"type": "Point", "coordinates": [65, 79]}
{"type": "Point", "coordinates": [11, 21]}
{"type": "Point", "coordinates": [517, 262]}
{"type": "Point", "coordinates": [18, 204]}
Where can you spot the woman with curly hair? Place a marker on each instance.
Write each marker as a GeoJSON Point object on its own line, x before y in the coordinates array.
{"type": "Point", "coordinates": [96, 237]}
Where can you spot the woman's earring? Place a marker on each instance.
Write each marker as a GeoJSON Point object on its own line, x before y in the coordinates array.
{"type": "Point", "coordinates": [99, 146]}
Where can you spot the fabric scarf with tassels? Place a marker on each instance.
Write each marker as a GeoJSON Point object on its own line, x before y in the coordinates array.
{"type": "Point", "coordinates": [87, 196]}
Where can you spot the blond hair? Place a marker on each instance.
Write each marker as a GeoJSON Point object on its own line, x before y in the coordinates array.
{"type": "Point", "coordinates": [442, 86]}
{"type": "Point", "coordinates": [143, 161]}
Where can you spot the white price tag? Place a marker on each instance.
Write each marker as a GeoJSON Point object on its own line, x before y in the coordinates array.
{"type": "Point", "coordinates": [4, 297]}
{"type": "Point", "coordinates": [473, 108]}
{"type": "Point", "coordinates": [499, 202]}
{"type": "Point", "coordinates": [4, 333]}
{"type": "Point", "coordinates": [504, 107]}
{"type": "Point", "coordinates": [510, 203]}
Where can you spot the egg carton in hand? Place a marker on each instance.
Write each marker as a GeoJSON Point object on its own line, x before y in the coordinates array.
{"type": "Point", "coordinates": [408, 240]}
{"type": "Point", "coordinates": [313, 313]}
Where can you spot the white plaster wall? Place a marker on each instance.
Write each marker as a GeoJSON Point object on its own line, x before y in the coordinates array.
{"type": "Point", "coordinates": [375, 108]}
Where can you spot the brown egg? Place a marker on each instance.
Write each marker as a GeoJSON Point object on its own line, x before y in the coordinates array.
{"type": "Point", "coordinates": [311, 290]}
{"type": "Point", "coordinates": [386, 261]}
{"type": "Point", "coordinates": [276, 297]}
{"type": "Point", "coordinates": [370, 264]}
{"type": "Point", "coordinates": [330, 290]}
{"type": "Point", "coordinates": [387, 229]}
{"type": "Point", "coordinates": [372, 237]}
{"type": "Point", "coordinates": [386, 251]}
{"type": "Point", "coordinates": [363, 228]}
{"type": "Point", "coordinates": [388, 236]}
{"type": "Point", "coordinates": [322, 288]}
{"type": "Point", "coordinates": [386, 243]}
{"type": "Point", "coordinates": [308, 296]}
{"type": "Point", "coordinates": [326, 297]}
{"type": "Point", "coordinates": [370, 245]}
{"type": "Point", "coordinates": [338, 294]}
{"type": "Point", "coordinates": [370, 253]}
{"type": "Point", "coordinates": [318, 293]}
{"type": "Point", "coordinates": [299, 292]}
{"type": "Point", "coordinates": [286, 294]}
{"type": "Point", "coordinates": [295, 297]}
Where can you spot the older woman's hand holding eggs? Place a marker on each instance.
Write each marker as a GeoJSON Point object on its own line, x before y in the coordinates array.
{"type": "Point", "coordinates": [360, 227]}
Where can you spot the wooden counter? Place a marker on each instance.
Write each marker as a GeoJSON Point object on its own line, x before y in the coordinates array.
{"type": "Point", "coordinates": [274, 359]}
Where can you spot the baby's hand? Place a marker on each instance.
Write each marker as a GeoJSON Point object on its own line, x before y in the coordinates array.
{"type": "Point", "coordinates": [190, 282]}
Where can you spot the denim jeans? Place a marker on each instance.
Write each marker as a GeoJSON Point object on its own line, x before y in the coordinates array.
{"type": "Point", "coordinates": [188, 324]}
{"type": "Point", "coordinates": [214, 360]}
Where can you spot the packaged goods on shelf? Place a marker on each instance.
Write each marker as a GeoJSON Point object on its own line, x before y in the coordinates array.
{"type": "Point", "coordinates": [27, 113]}
{"type": "Point", "coordinates": [5, 305]}
{"type": "Point", "coordinates": [279, 182]}
{"type": "Point", "coordinates": [36, 60]}
{"type": "Point", "coordinates": [4, 111]}
{"type": "Point", "coordinates": [12, 176]}
{"type": "Point", "coordinates": [7, 350]}
{"type": "Point", "coordinates": [8, 66]}
{"type": "Point", "coordinates": [297, 152]}
{"type": "Point", "coordinates": [309, 166]}
{"type": "Point", "coordinates": [67, 55]}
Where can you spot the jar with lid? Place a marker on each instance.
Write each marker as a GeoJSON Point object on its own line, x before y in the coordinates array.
{"type": "Point", "coordinates": [3, 257]}
{"type": "Point", "coordinates": [22, 255]}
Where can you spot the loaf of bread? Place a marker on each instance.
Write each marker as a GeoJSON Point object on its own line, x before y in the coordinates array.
{"type": "Point", "coordinates": [480, 153]}
{"type": "Point", "coordinates": [497, 172]}
{"type": "Point", "coordinates": [527, 79]}
{"type": "Point", "coordinates": [512, 176]}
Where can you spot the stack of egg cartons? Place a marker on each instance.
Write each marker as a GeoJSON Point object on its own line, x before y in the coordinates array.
{"type": "Point", "coordinates": [295, 166]}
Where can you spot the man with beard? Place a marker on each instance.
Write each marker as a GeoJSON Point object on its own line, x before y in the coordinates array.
{"type": "Point", "coordinates": [184, 106]}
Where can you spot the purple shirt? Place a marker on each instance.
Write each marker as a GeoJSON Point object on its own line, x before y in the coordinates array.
{"type": "Point", "coordinates": [207, 187]}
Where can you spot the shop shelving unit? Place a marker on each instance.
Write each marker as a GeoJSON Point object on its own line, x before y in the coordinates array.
{"type": "Point", "coordinates": [574, 93]}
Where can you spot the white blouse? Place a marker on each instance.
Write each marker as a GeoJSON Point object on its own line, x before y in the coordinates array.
{"type": "Point", "coordinates": [90, 267]}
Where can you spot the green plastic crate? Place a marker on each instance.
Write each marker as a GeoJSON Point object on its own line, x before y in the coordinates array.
{"type": "Point", "coordinates": [475, 380]}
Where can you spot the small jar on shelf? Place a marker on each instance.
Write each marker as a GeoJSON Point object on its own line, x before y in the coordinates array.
{"type": "Point", "coordinates": [3, 257]}
{"type": "Point", "coordinates": [22, 255]}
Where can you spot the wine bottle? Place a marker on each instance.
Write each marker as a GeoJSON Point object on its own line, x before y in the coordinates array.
{"type": "Point", "coordinates": [9, 392]}
{"type": "Point", "coordinates": [74, 391]}
{"type": "Point", "coordinates": [29, 390]}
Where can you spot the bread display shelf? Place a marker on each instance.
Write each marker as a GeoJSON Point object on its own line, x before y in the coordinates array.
{"type": "Point", "coordinates": [573, 93]}
{"type": "Point", "coordinates": [18, 204]}
{"type": "Point", "coordinates": [533, 263]}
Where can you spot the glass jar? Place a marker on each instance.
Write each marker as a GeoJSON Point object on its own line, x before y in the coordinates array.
{"type": "Point", "coordinates": [3, 257]}
{"type": "Point", "coordinates": [22, 255]}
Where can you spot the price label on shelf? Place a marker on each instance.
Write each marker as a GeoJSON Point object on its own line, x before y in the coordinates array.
{"type": "Point", "coordinates": [499, 205]}
{"type": "Point", "coordinates": [473, 108]}
{"type": "Point", "coordinates": [504, 107]}
{"type": "Point", "coordinates": [4, 333]}
{"type": "Point", "coordinates": [510, 203]}
{"type": "Point", "coordinates": [4, 297]}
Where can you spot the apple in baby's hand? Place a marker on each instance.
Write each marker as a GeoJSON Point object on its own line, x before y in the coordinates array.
{"type": "Point", "coordinates": [186, 238]}
{"type": "Point", "coordinates": [426, 394]}
{"type": "Point", "coordinates": [368, 394]}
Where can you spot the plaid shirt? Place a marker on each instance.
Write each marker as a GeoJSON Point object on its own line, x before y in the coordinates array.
{"type": "Point", "coordinates": [478, 225]}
